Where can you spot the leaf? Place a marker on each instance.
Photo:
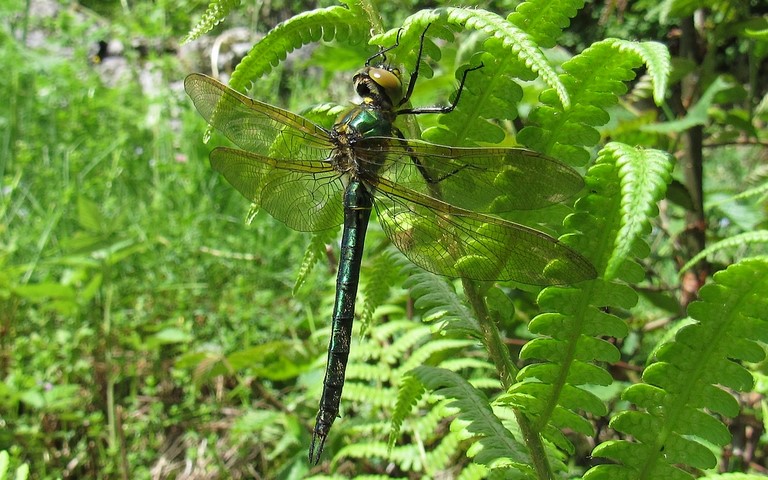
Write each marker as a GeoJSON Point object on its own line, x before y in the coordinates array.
{"type": "Point", "coordinates": [731, 243]}
{"type": "Point", "coordinates": [339, 23]}
{"type": "Point", "coordinates": [89, 216]}
{"type": "Point", "coordinates": [545, 20]}
{"type": "Point", "coordinates": [315, 250]}
{"type": "Point", "coordinates": [473, 408]}
{"type": "Point", "coordinates": [215, 14]}
{"type": "Point", "coordinates": [169, 336]}
{"type": "Point", "coordinates": [644, 175]}
{"type": "Point", "coordinates": [697, 115]}
{"type": "Point", "coordinates": [43, 291]}
{"type": "Point", "coordinates": [278, 360]}
{"type": "Point", "coordinates": [594, 79]}
{"type": "Point", "coordinates": [672, 426]}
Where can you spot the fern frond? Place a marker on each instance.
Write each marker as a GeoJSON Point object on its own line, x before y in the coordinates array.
{"type": "Point", "coordinates": [573, 321]}
{"type": "Point", "coordinates": [544, 20]}
{"type": "Point", "coordinates": [410, 392]}
{"type": "Point", "coordinates": [760, 190]}
{"type": "Point", "coordinates": [315, 250]}
{"type": "Point", "coordinates": [730, 243]}
{"type": "Point", "coordinates": [671, 426]}
{"type": "Point", "coordinates": [367, 394]}
{"type": "Point", "coordinates": [473, 471]}
{"type": "Point", "coordinates": [442, 346]}
{"type": "Point", "coordinates": [404, 342]}
{"type": "Point", "coordinates": [383, 275]}
{"type": "Point", "coordinates": [216, 12]}
{"type": "Point", "coordinates": [515, 41]}
{"type": "Point", "coordinates": [594, 80]}
{"type": "Point", "coordinates": [655, 57]}
{"type": "Point", "coordinates": [496, 441]}
{"type": "Point", "coordinates": [339, 23]}
{"type": "Point", "coordinates": [438, 300]}
{"type": "Point", "coordinates": [644, 175]}
{"type": "Point", "coordinates": [510, 52]}
{"type": "Point", "coordinates": [324, 114]}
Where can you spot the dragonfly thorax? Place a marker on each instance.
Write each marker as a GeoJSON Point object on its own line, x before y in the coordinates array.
{"type": "Point", "coordinates": [360, 124]}
{"type": "Point", "coordinates": [379, 87]}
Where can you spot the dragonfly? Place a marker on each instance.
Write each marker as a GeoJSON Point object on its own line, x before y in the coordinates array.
{"type": "Point", "coordinates": [439, 205]}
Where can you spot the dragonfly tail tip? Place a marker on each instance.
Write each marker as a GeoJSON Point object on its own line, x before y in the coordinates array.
{"type": "Point", "coordinates": [314, 455]}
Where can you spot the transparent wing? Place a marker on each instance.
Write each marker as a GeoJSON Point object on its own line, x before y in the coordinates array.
{"type": "Point", "coordinates": [489, 180]}
{"type": "Point", "coordinates": [256, 126]}
{"type": "Point", "coordinates": [305, 195]}
{"type": "Point", "coordinates": [452, 241]}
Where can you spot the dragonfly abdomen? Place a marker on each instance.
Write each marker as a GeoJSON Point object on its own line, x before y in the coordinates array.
{"type": "Point", "coordinates": [358, 203]}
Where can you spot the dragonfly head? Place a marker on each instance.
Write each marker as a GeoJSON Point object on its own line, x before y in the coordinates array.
{"type": "Point", "coordinates": [379, 86]}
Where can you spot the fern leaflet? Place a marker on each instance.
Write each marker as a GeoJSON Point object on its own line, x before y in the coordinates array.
{"type": "Point", "coordinates": [216, 12]}
{"type": "Point", "coordinates": [671, 425]}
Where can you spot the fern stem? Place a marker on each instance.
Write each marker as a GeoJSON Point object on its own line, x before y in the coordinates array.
{"type": "Point", "coordinates": [507, 371]}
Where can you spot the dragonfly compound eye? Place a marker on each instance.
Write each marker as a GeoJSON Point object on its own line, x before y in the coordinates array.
{"type": "Point", "coordinates": [389, 80]}
{"type": "Point", "coordinates": [379, 85]}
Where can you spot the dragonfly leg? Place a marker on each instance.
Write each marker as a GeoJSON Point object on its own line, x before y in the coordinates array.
{"type": "Point", "coordinates": [415, 74]}
{"type": "Point", "coordinates": [382, 52]}
{"type": "Point", "coordinates": [420, 166]}
{"type": "Point", "coordinates": [449, 108]}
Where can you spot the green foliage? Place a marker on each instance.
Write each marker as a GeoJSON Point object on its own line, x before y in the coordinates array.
{"type": "Point", "coordinates": [545, 20]}
{"type": "Point", "coordinates": [215, 14]}
{"type": "Point", "coordinates": [144, 328]}
{"type": "Point", "coordinates": [498, 443]}
{"type": "Point", "coordinates": [672, 427]}
{"type": "Point", "coordinates": [438, 302]}
{"type": "Point", "coordinates": [376, 379]}
{"type": "Point", "coordinates": [21, 472]}
{"type": "Point", "coordinates": [594, 78]}
{"type": "Point", "coordinates": [333, 23]}
{"type": "Point", "coordinates": [731, 244]}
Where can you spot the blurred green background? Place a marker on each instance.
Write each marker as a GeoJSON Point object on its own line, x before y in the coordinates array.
{"type": "Point", "coordinates": [145, 330]}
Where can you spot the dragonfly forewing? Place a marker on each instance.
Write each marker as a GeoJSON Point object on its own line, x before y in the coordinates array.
{"type": "Point", "coordinates": [305, 195]}
{"type": "Point", "coordinates": [256, 126]}
{"type": "Point", "coordinates": [487, 180]}
{"type": "Point", "coordinates": [452, 241]}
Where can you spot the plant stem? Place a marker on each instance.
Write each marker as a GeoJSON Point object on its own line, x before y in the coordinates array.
{"type": "Point", "coordinates": [507, 371]}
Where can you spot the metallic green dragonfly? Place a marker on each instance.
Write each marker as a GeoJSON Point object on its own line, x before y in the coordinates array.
{"type": "Point", "coordinates": [435, 203]}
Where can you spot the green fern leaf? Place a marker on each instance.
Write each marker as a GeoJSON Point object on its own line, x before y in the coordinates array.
{"type": "Point", "coordinates": [215, 13]}
{"type": "Point", "coordinates": [406, 341]}
{"type": "Point", "coordinates": [656, 57]}
{"type": "Point", "coordinates": [506, 43]}
{"type": "Point", "coordinates": [544, 20]}
{"type": "Point", "coordinates": [473, 471]}
{"type": "Point", "coordinates": [315, 250]}
{"type": "Point", "coordinates": [594, 80]}
{"type": "Point", "coordinates": [410, 392]}
{"type": "Point", "coordinates": [497, 442]}
{"type": "Point", "coordinates": [644, 176]}
{"type": "Point", "coordinates": [731, 243]}
{"type": "Point", "coordinates": [339, 23]}
{"type": "Point", "coordinates": [383, 275]}
{"type": "Point", "coordinates": [438, 300]}
{"type": "Point", "coordinates": [439, 346]}
{"type": "Point", "coordinates": [731, 317]}
{"type": "Point", "coordinates": [573, 319]}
